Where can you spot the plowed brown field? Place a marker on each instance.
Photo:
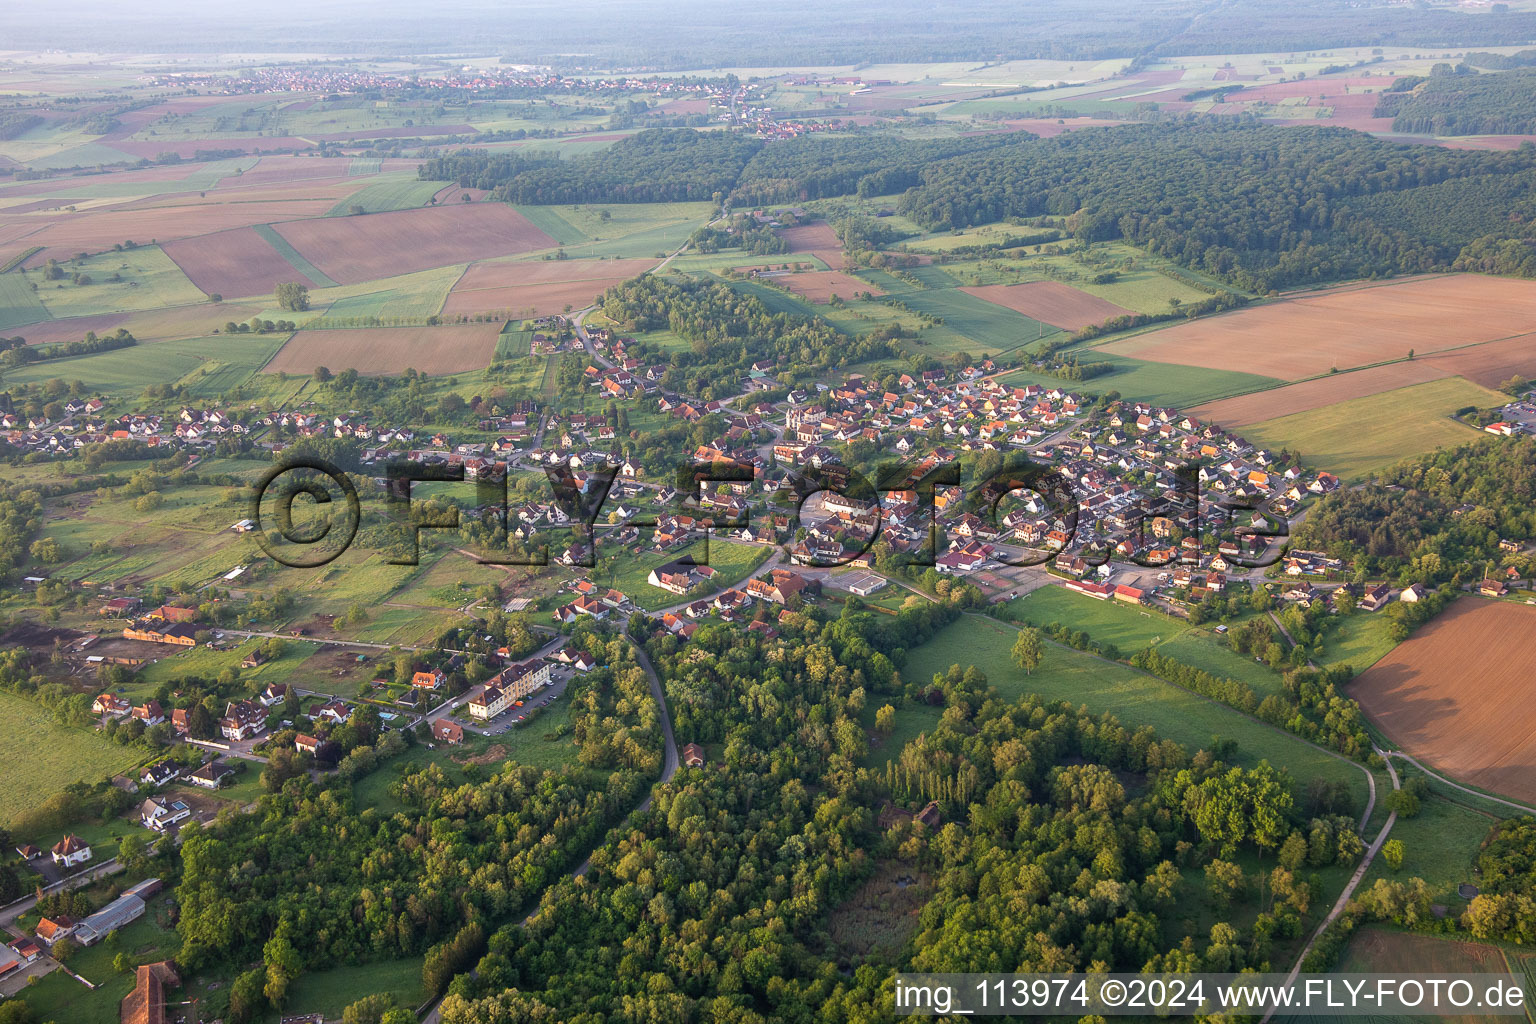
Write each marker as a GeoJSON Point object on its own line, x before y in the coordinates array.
{"type": "Point", "coordinates": [1347, 327]}
{"type": "Point", "coordinates": [1052, 302]}
{"type": "Point", "coordinates": [390, 349]}
{"type": "Point", "coordinates": [1461, 694]}
{"type": "Point", "coordinates": [351, 250]}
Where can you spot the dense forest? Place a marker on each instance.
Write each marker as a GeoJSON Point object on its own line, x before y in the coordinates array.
{"type": "Point", "coordinates": [660, 165]}
{"type": "Point", "coordinates": [1263, 206]}
{"type": "Point", "coordinates": [393, 884]}
{"type": "Point", "coordinates": [674, 164]}
{"type": "Point", "coordinates": [1067, 841]}
{"type": "Point", "coordinates": [728, 331]}
{"type": "Point", "coordinates": [1428, 519]}
{"type": "Point", "coordinates": [1466, 104]}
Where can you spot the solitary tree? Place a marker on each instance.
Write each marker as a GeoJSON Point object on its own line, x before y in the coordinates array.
{"type": "Point", "coordinates": [1392, 853]}
{"type": "Point", "coordinates": [1027, 650]}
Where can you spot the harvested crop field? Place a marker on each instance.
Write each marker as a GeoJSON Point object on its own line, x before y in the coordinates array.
{"type": "Point", "coordinates": [538, 288]}
{"type": "Point", "coordinates": [1319, 392]}
{"type": "Point", "coordinates": [821, 285]}
{"type": "Point", "coordinates": [390, 349]}
{"type": "Point", "coordinates": [1346, 327]}
{"type": "Point", "coordinates": [356, 249]}
{"type": "Point", "coordinates": [233, 263]}
{"type": "Point", "coordinates": [1461, 694]}
{"type": "Point", "coordinates": [1052, 302]}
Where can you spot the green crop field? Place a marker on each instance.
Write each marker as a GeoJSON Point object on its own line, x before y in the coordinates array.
{"type": "Point", "coordinates": [417, 295]}
{"type": "Point", "coordinates": [991, 327]}
{"type": "Point", "coordinates": [19, 304]}
{"type": "Point", "coordinates": [391, 192]}
{"type": "Point", "coordinates": [125, 372]}
{"type": "Point", "coordinates": [42, 757]}
{"type": "Point", "coordinates": [292, 255]}
{"type": "Point", "coordinates": [149, 280]}
{"type": "Point", "coordinates": [1158, 383]}
{"type": "Point", "coordinates": [1410, 421]}
{"type": "Point", "coordinates": [1136, 698]}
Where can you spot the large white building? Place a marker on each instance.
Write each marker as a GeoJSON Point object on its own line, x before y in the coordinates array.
{"type": "Point", "coordinates": [512, 683]}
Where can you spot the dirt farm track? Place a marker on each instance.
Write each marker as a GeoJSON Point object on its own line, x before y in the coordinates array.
{"type": "Point", "coordinates": [1460, 694]}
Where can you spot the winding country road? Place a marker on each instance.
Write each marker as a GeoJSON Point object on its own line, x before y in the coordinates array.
{"type": "Point", "coordinates": [1349, 890]}
{"type": "Point", "coordinates": [1388, 755]}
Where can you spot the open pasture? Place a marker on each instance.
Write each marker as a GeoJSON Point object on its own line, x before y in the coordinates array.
{"type": "Point", "coordinates": [43, 757]}
{"type": "Point", "coordinates": [431, 350]}
{"type": "Point", "coordinates": [1461, 694]}
{"type": "Point", "coordinates": [1347, 327]}
{"type": "Point", "coordinates": [355, 249]}
{"type": "Point", "coordinates": [1051, 302]}
{"type": "Point", "coordinates": [1407, 421]}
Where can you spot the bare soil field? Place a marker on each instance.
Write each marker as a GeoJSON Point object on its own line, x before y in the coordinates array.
{"type": "Point", "coordinates": [1057, 304]}
{"type": "Point", "coordinates": [1322, 391]}
{"type": "Point", "coordinates": [168, 324]}
{"type": "Point", "coordinates": [818, 239]}
{"type": "Point", "coordinates": [811, 237]}
{"type": "Point", "coordinates": [390, 349]}
{"type": "Point", "coordinates": [1492, 364]}
{"type": "Point", "coordinates": [233, 263]}
{"type": "Point", "coordinates": [821, 285]}
{"type": "Point", "coordinates": [277, 169]}
{"type": "Point", "coordinates": [355, 249]}
{"type": "Point", "coordinates": [538, 288]}
{"type": "Point", "coordinates": [1461, 694]}
{"type": "Point", "coordinates": [65, 234]}
{"type": "Point", "coordinates": [1348, 327]}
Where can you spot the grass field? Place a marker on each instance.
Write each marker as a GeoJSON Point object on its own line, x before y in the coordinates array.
{"type": "Point", "coordinates": [19, 304]}
{"type": "Point", "coordinates": [330, 992]}
{"type": "Point", "coordinates": [1440, 845]}
{"type": "Point", "coordinates": [125, 372]}
{"type": "Point", "coordinates": [44, 757]}
{"type": "Point", "coordinates": [1135, 698]}
{"type": "Point", "coordinates": [150, 280]}
{"type": "Point", "coordinates": [394, 192]}
{"type": "Point", "coordinates": [1360, 641]}
{"type": "Point", "coordinates": [1408, 421]}
{"type": "Point", "coordinates": [1129, 629]}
